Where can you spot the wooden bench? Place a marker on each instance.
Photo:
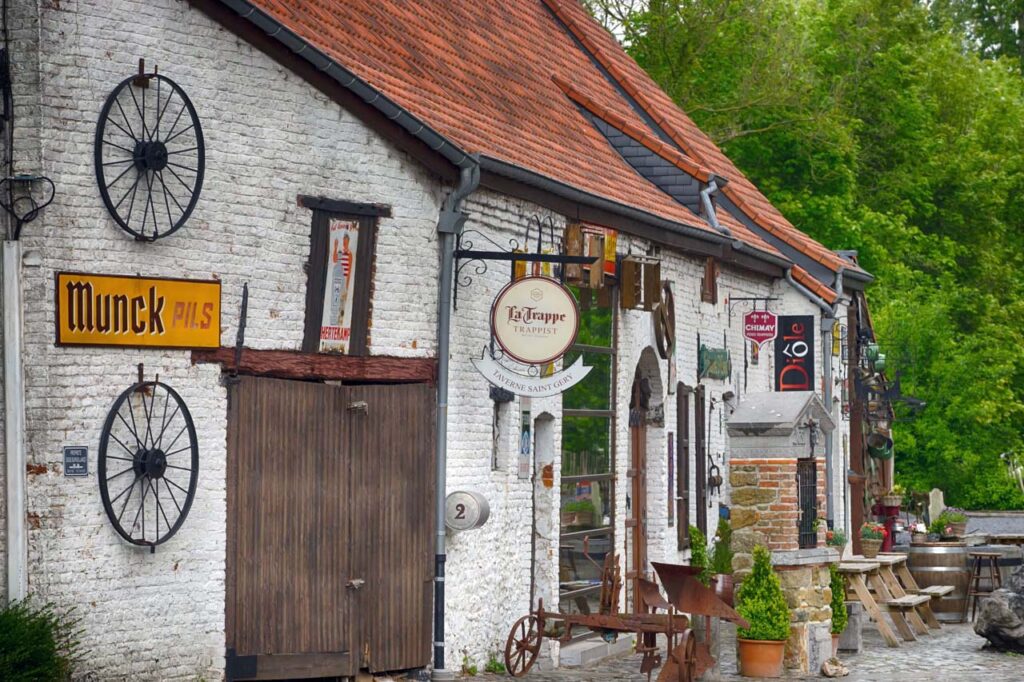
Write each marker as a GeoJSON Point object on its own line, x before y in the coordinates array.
{"type": "Point", "coordinates": [908, 601]}
{"type": "Point", "coordinates": [936, 591]}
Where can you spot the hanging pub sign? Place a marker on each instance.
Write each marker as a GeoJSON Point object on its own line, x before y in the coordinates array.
{"type": "Point", "coordinates": [534, 321]}
{"type": "Point", "coordinates": [760, 326]}
{"type": "Point", "coordinates": [121, 310]}
{"type": "Point", "coordinates": [794, 353]}
{"type": "Point", "coordinates": [714, 363]}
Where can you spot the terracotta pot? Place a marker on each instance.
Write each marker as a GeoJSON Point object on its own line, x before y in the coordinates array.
{"type": "Point", "coordinates": [835, 645]}
{"type": "Point", "coordinates": [723, 584]}
{"type": "Point", "coordinates": [760, 658]}
{"type": "Point", "coordinates": [870, 547]}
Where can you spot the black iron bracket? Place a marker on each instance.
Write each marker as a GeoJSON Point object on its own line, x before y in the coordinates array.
{"type": "Point", "coordinates": [516, 252]}
{"type": "Point", "coordinates": [755, 299]}
{"type": "Point", "coordinates": [24, 208]}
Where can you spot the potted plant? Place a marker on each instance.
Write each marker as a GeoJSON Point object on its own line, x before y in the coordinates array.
{"type": "Point", "coordinates": [918, 533]}
{"type": "Point", "coordinates": [839, 614]}
{"type": "Point", "coordinates": [760, 601]}
{"type": "Point", "coordinates": [578, 513]}
{"type": "Point", "coordinates": [721, 562]}
{"type": "Point", "coordinates": [871, 537]}
{"type": "Point", "coordinates": [952, 522]}
{"type": "Point", "coordinates": [699, 555]}
{"type": "Point", "coordinates": [836, 538]}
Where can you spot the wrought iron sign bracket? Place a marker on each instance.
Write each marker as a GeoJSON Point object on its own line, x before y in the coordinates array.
{"type": "Point", "coordinates": [465, 254]}
{"type": "Point", "coordinates": [755, 299]}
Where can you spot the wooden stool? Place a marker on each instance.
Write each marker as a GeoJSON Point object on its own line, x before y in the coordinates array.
{"type": "Point", "coordinates": [988, 560]}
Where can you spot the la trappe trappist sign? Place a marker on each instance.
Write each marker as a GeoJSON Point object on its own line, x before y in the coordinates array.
{"type": "Point", "coordinates": [534, 321]}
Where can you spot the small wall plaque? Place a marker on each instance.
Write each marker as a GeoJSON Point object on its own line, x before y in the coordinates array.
{"type": "Point", "coordinates": [466, 510]}
{"type": "Point", "coordinates": [76, 460]}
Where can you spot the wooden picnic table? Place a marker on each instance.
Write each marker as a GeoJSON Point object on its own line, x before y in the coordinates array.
{"type": "Point", "coordinates": [902, 607]}
{"type": "Point", "coordinates": [855, 572]}
{"type": "Point", "coordinates": [932, 592]}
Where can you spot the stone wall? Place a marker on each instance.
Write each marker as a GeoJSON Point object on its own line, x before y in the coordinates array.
{"type": "Point", "coordinates": [808, 595]}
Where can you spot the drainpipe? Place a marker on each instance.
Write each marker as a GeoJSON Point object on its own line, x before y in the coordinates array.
{"type": "Point", "coordinates": [449, 224]}
{"type": "Point", "coordinates": [14, 417]}
{"type": "Point", "coordinates": [709, 207]}
{"type": "Point", "coordinates": [828, 320]}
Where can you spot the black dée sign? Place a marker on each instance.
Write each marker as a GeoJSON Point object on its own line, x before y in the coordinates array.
{"type": "Point", "coordinates": [794, 353]}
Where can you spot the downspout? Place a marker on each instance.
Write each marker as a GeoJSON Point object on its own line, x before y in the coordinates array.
{"type": "Point", "coordinates": [709, 206]}
{"type": "Point", "coordinates": [14, 423]}
{"type": "Point", "coordinates": [449, 224]}
{"type": "Point", "coordinates": [828, 320]}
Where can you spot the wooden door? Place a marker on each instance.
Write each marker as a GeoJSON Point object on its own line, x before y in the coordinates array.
{"type": "Point", "coordinates": [330, 502]}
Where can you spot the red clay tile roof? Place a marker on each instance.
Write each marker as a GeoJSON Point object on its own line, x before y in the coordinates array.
{"type": "Point", "coordinates": [504, 80]}
{"type": "Point", "coordinates": [685, 132]}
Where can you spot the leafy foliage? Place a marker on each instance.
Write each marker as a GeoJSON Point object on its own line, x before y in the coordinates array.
{"type": "Point", "coordinates": [892, 127]}
{"type": "Point", "coordinates": [838, 603]}
{"type": "Point", "coordinates": [721, 556]}
{"type": "Point", "coordinates": [38, 642]}
{"type": "Point", "coordinates": [760, 601]}
{"type": "Point", "coordinates": [699, 554]}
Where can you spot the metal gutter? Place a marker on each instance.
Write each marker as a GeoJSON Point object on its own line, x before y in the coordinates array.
{"type": "Point", "coordinates": [347, 79]}
{"type": "Point", "coordinates": [449, 224]}
{"type": "Point", "coordinates": [709, 207]}
{"type": "Point", "coordinates": [14, 424]}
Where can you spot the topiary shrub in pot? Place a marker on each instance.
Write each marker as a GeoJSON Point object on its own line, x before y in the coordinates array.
{"type": "Point", "coordinates": [838, 603]}
{"type": "Point", "coordinates": [699, 555]}
{"type": "Point", "coordinates": [721, 562]}
{"type": "Point", "coordinates": [761, 602]}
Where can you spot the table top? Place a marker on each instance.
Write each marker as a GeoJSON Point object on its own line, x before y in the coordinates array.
{"type": "Point", "coordinates": [883, 559]}
{"type": "Point", "coordinates": [857, 566]}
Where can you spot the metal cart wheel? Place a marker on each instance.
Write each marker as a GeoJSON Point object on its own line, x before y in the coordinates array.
{"type": "Point", "coordinates": [681, 664]}
{"type": "Point", "coordinates": [150, 156]}
{"type": "Point", "coordinates": [148, 451]}
{"type": "Point", "coordinates": [522, 646]}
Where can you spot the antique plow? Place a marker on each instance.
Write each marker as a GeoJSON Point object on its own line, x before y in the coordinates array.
{"type": "Point", "coordinates": [686, 659]}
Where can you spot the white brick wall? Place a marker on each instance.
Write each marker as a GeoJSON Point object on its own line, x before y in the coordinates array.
{"type": "Point", "coordinates": [269, 137]}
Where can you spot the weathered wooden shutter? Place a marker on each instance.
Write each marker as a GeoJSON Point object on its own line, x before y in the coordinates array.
{"type": "Point", "coordinates": [701, 454]}
{"type": "Point", "coordinates": [683, 466]}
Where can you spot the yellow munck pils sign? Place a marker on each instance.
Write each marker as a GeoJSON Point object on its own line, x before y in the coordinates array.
{"type": "Point", "coordinates": [120, 310]}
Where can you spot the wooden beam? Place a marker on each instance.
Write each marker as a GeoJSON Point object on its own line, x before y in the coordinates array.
{"type": "Point", "coordinates": [285, 364]}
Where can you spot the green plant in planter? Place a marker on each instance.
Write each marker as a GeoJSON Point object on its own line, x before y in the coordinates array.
{"type": "Point", "coordinates": [699, 554]}
{"type": "Point", "coordinates": [947, 517]}
{"type": "Point", "coordinates": [839, 615]}
{"type": "Point", "coordinates": [761, 602]}
{"type": "Point", "coordinates": [721, 556]}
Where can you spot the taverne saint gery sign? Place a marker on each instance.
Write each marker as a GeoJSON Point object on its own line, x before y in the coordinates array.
{"type": "Point", "coordinates": [120, 310]}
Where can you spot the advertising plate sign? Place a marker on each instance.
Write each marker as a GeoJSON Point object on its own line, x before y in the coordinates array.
{"type": "Point", "coordinates": [121, 310]}
{"type": "Point", "coordinates": [794, 354]}
{"type": "Point", "coordinates": [760, 326]}
{"type": "Point", "coordinates": [535, 320]}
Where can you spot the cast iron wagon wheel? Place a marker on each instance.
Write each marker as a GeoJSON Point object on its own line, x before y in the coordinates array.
{"type": "Point", "coordinates": [148, 463]}
{"type": "Point", "coordinates": [522, 646]}
{"type": "Point", "coordinates": [681, 663]}
{"type": "Point", "coordinates": [149, 156]}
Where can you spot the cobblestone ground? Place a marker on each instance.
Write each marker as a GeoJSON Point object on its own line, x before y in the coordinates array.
{"type": "Point", "coordinates": [955, 653]}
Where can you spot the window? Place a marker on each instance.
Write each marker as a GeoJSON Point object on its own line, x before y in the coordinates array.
{"type": "Point", "coordinates": [807, 482]}
{"type": "Point", "coordinates": [587, 481]}
{"type": "Point", "coordinates": [340, 271]}
{"type": "Point", "coordinates": [709, 284]}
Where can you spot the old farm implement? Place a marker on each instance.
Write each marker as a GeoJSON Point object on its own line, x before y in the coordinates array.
{"type": "Point", "coordinates": [685, 659]}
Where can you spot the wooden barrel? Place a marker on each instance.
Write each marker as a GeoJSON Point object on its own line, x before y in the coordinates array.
{"type": "Point", "coordinates": [942, 563]}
